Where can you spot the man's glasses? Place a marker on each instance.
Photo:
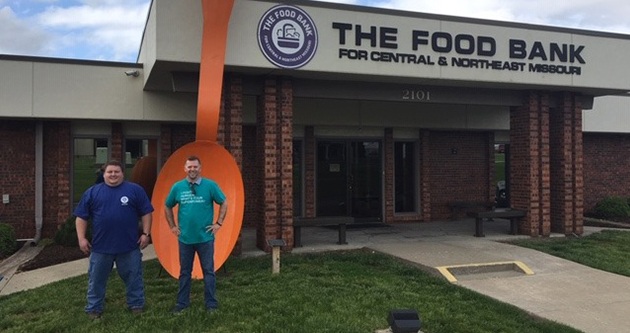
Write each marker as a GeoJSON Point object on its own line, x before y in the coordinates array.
{"type": "Point", "coordinates": [193, 188]}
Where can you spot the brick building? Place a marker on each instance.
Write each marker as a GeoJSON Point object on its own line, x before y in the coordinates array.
{"type": "Point", "coordinates": [333, 110]}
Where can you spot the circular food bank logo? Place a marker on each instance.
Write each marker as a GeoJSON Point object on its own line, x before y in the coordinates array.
{"type": "Point", "coordinates": [287, 36]}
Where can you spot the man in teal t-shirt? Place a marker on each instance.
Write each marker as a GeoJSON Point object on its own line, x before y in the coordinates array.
{"type": "Point", "coordinates": [195, 229]}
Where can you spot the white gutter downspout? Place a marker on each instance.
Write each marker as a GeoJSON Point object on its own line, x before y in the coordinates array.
{"type": "Point", "coordinates": [39, 181]}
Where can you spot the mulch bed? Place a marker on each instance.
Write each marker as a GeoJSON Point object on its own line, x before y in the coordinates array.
{"type": "Point", "coordinates": [53, 254]}
{"type": "Point", "coordinates": [617, 223]}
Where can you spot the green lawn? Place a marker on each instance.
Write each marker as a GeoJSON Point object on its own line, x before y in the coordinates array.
{"type": "Point", "coordinates": [607, 250]}
{"type": "Point", "coordinates": [349, 291]}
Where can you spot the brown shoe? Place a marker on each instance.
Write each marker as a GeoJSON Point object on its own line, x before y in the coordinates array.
{"type": "Point", "coordinates": [136, 311]}
{"type": "Point", "coordinates": [94, 315]}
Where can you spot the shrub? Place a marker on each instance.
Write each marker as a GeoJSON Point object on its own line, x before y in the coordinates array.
{"type": "Point", "coordinates": [613, 207]}
{"type": "Point", "coordinates": [67, 234]}
{"type": "Point", "coordinates": [8, 242]}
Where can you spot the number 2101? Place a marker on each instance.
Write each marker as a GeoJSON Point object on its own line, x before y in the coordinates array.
{"type": "Point", "coordinates": [416, 95]}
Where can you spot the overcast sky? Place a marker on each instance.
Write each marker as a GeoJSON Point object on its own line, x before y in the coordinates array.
{"type": "Point", "coordinates": [112, 29]}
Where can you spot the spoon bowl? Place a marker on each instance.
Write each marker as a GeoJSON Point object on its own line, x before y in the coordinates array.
{"type": "Point", "coordinates": [218, 165]}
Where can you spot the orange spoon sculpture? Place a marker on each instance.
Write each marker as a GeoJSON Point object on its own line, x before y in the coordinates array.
{"type": "Point", "coordinates": [217, 162]}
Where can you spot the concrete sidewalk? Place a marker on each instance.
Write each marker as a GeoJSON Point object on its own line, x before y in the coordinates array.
{"type": "Point", "coordinates": [560, 290]}
{"type": "Point", "coordinates": [14, 282]}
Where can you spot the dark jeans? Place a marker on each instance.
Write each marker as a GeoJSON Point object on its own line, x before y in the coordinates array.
{"type": "Point", "coordinates": [205, 251]}
{"type": "Point", "coordinates": [129, 266]}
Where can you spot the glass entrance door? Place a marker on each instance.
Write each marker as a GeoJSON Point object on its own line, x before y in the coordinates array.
{"type": "Point", "coordinates": [349, 179]}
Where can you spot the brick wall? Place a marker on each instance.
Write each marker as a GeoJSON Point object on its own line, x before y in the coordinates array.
{"type": "Point", "coordinates": [166, 143]}
{"type": "Point", "coordinates": [529, 163]}
{"type": "Point", "coordinates": [266, 154]}
{"type": "Point", "coordinates": [566, 166]}
{"type": "Point", "coordinates": [57, 176]}
{"type": "Point", "coordinates": [231, 127]}
{"type": "Point", "coordinates": [173, 137]}
{"type": "Point", "coordinates": [424, 174]}
{"type": "Point", "coordinates": [17, 170]}
{"type": "Point", "coordinates": [546, 164]}
{"type": "Point", "coordinates": [606, 171]}
{"type": "Point", "coordinates": [388, 170]}
{"type": "Point", "coordinates": [232, 121]}
{"type": "Point", "coordinates": [284, 166]}
{"type": "Point", "coordinates": [309, 171]}
{"type": "Point", "coordinates": [250, 181]}
{"type": "Point", "coordinates": [458, 163]}
{"type": "Point", "coordinates": [274, 147]}
{"type": "Point", "coordinates": [181, 135]}
{"type": "Point", "coordinates": [17, 176]}
{"type": "Point", "coordinates": [116, 143]}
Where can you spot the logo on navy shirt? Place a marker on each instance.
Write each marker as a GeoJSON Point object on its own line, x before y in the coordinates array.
{"type": "Point", "coordinates": [287, 36]}
{"type": "Point", "coordinates": [124, 200]}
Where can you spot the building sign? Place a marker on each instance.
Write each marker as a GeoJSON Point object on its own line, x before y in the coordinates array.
{"type": "Point", "coordinates": [287, 36]}
{"type": "Point", "coordinates": [339, 40]}
{"type": "Point", "coordinates": [462, 50]}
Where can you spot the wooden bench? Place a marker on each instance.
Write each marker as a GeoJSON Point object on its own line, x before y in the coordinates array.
{"type": "Point", "coordinates": [461, 208]}
{"type": "Point", "coordinates": [511, 214]}
{"type": "Point", "coordinates": [339, 221]}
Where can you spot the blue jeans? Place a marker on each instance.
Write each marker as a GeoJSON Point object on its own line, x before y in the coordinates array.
{"type": "Point", "coordinates": [205, 251]}
{"type": "Point", "coordinates": [129, 266]}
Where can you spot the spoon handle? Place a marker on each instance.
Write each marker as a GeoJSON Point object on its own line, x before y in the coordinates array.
{"type": "Point", "coordinates": [216, 17]}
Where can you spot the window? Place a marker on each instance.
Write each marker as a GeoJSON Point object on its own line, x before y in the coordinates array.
{"type": "Point", "coordinates": [88, 157]}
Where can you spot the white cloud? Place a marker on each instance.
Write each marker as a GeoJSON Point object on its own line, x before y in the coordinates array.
{"type": "Point", "coordinates": [17, 36]}
{"type": "Point", "coordinates": [92, 17]}
{"type": "Point", "coordinates": [111, 33]}
{"type": "Point", "coordinates": [91, 29]}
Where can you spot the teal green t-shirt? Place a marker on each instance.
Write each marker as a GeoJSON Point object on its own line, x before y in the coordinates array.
{"type": "Point", "coordinates": [195, 208]}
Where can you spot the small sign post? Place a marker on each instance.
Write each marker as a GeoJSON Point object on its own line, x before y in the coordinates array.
{"type": "Point", "coordinates": [275, 244]}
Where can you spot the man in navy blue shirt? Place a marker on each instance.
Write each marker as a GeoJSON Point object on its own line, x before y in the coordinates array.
{"type": "Point", "coordinates": [114, 208]}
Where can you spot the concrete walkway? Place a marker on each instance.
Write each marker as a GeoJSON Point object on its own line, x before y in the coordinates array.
{"type": "Point", "coordinates": [9, 266]}
{"type": "Point", "coordinates": [13, 282]}
{"type": "Point", "coordinates": [584, 298]}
